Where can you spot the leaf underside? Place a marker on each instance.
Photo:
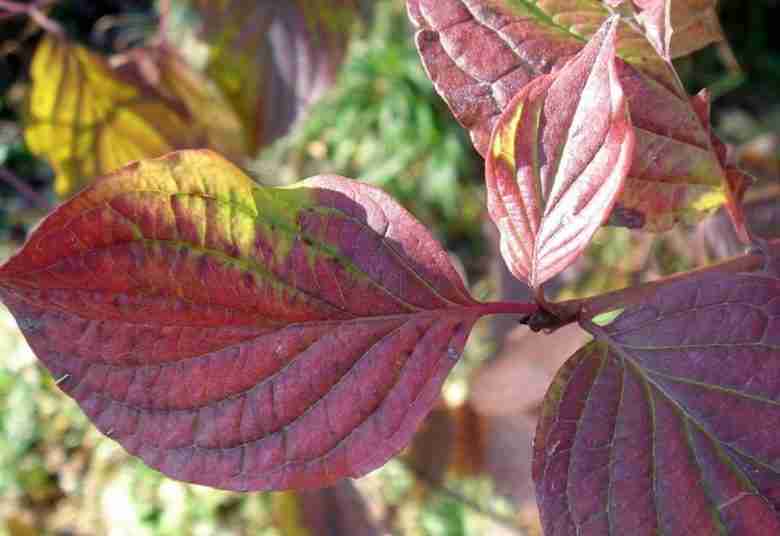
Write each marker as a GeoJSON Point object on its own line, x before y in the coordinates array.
{"type": "Point", "coordinates": [558, 160]}
{"type": "Point", "coordinates": [670, 424]}
{"type": "Point", "coordinates": [480, 53]}
{"type": "Point", "coordinates": [237, 336]}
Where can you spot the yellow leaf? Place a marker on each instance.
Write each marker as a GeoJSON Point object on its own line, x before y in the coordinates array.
{"type": "Point", "coordinates": [88, 117]}
{"type": "Point", "coordinates": [211, 112]}
{"type": "Point", "coordinates": [288, 514]}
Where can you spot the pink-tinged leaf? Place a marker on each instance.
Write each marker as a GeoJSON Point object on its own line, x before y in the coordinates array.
{"type": "Point", "coordinates": [238, 336]}
{"type": "Point", "coordinates": [670, 423]}
{"type": "Point", "coordinates": [558, 159]}
{"type": "Point", "coordinates": [274, 59]}
{"type": "Point", "coordinates": [656, 18]}
{"type": "Point", "coordinates": [680, 27]}
{"type": "Point", "coordinates": [480, 53]}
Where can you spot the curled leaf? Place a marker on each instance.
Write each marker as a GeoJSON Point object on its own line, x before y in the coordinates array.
{"type": "Point", "coordinates": [558, 159]}
{"type": "Point", "coordinates": [238, 336]}
{"type": "Point", "coordinates": [669, 424]}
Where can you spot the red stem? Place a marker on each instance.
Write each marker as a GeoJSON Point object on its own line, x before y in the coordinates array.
{"type": "Point", "coordinates": [590, 307]}
{"type": "Point", "coordinates": [164, 8]}
{"type": "Point", "coordinates": [507, 308]}
{"type": "Point", "coordinates": [24, 189]}
{"type": "Point", "coordinates": [34, 11]}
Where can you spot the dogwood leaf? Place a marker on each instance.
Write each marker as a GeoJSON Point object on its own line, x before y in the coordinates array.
{"type": "Point", "coordinates": [238, 336]}
{"type": "Point", "coordinates": [275, 59]}
{"type": "Point", "coordinates": [680, 27]}
{"type": "Point", "coordinates": [213, 117]}
{"type": "Point", "coordinates": [86, 121]}
{"type": "Point", "coordinates": [558, 159]}
{"type": "Point", "coordinates": [480, 53]}
{"type": "Point", "coordinates": [669, 423]}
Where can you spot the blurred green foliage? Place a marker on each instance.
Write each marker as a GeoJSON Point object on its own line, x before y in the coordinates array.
{"type": "Point", "coordinates": [384, 123]}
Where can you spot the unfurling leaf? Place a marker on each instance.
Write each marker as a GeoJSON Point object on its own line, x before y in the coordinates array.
{"type": "Point", "coordinates": [558, 159]}
{"type": "Point", "coordinates": [670, 423]}
{"type": "Point", "coordinates": [238, 336]}
{"type": "Point", "coordinates": [87, 118]}
{"type": "Point", "coordinates": [480, 53]}
{"type": "Point", "coordinates": [275, 59]}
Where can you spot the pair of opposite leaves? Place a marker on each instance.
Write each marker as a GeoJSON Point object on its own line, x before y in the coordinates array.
{"type": "Point", "coordinates": [255, 338]}
{"type": "Point", "coordinates": [574, 135]}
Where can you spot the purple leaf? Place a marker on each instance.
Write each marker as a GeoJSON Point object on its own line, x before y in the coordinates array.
{"type": "Point", "coordinates": [670, 423]}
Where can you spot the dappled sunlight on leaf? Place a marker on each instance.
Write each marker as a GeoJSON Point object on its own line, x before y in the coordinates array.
{"type": "Point", "coordinates": [238, 336]}
{"type": "Point", "coordinates": [557, 162]}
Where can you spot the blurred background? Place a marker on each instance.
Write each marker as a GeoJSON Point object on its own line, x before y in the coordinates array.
{"type": "Point", "coordinates": [467, 471]}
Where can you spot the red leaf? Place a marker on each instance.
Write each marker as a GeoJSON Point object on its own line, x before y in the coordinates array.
{"type": "Point", "coordinates": [480, 53]}
{"type": "Point", "coordinates": [558, 159]}
{"type": "Point", "coordinates": [737, 182]}
{"type": "Point", "coordinates": [670, 424]}
{"type": "Point", "coordinates": [238, 336]}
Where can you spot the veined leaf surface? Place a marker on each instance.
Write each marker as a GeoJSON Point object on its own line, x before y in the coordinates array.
{"type": "Point", "coordinates": [213, 117]}
{"type": "Point", "coordinates": [670, 423]}
{"type": "Point", "coordinates": [238, 336]}
{"type": "Point", "coordinates": [558, 159]}
{"type": "Point", "coordinates": [274, 59]}
{"type": "Point", "coordinates": [480, 53]}
{"type": "Point", "coordinates": [677, 28]}
{"type": "Point", "coordinates": [86, 119]}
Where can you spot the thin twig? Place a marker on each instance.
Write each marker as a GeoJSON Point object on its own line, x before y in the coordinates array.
{"type": "Point", "coordinates": [164, 6]}
{"type": "Point", "coordinates": [438, 487]}
{"type": "Point", "coordinates": [23, 188]}
{"type": "Point", "coordinates": [35, 12]}
{"type": "Point", "coordinates": [591, 307]}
